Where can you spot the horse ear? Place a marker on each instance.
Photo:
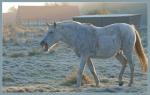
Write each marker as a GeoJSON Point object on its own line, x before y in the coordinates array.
{"type": "Point", "coordinates": [54, 24]}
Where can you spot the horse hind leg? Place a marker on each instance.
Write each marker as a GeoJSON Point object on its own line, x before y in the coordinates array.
{"type": "Point", "coordinates": [129, 56]}
{"type": "Point", "coordinates": [93, 71]}
{"type": "Point", "coordinates": [122, 59]}
{"type": "Point", "coordinates": [128, 47]}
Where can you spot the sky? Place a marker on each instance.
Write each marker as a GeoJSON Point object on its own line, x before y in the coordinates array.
{"type": "Point", "coordinates": [7, 5]}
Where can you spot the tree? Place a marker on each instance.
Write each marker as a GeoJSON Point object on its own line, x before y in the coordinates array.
{"type": "Point", "coordinates": [46, 4]}
{"type": "Point", "coordinates": [12, 9]}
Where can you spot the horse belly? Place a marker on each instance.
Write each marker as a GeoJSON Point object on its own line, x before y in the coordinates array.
{"type": "Point", "coordinates": [107, 47]}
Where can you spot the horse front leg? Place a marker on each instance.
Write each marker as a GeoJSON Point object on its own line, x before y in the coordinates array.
{"type": "Point", "coordinates": [93, 71]}
{"type": "Point", "coordinates": [80, 71]}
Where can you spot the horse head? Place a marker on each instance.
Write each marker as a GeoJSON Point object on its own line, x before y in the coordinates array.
{"type": "Point", "coordinates": [52, 36]}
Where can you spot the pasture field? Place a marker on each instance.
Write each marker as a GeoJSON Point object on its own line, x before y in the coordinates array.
{"type": "Point", "coordinates": [27, 68]}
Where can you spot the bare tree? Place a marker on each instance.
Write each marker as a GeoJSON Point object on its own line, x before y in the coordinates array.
{"type": "Point", "coordinates": [12, 9]}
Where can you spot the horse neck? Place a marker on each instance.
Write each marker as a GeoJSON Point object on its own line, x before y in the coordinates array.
{"type": "Point", "coordinates": [68, 35]}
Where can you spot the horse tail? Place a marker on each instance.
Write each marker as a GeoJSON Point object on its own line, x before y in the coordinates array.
{"type": "Point", "coordinates": [140, 52]}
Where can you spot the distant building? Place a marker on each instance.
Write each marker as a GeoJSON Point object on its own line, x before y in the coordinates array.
{"type": "Point", "coordinates": [39, 15]}
{"type": "Point", "coordinates": [9, 18]}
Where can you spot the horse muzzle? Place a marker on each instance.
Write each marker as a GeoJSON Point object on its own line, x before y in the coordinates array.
{"type": "Point", "coordinates": [44, 46]}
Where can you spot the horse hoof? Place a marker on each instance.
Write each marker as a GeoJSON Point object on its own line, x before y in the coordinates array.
{"type": "Point", "coordinates": [120, 83]}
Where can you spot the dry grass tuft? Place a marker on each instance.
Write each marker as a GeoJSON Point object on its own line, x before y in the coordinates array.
{"type": "Point", "coordinates": [30, 88]}
{"type": "Point", "coordinates": [71, 79]}
{"type": "Point", "coordinates": [17, 54]}
{"type": "Point", "coordinates": [34, 51]}
{"type": "Point", "coordinates": [87, 79]}
{"type": "Point", "coordinates": [36, 88]}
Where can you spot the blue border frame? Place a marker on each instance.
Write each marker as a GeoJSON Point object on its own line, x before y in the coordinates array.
{"type": "Point", "coordinates": [74, 93]}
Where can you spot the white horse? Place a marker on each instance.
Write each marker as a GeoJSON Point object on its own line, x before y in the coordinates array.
{"type": "Point", "coordinates": [89, 41]}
